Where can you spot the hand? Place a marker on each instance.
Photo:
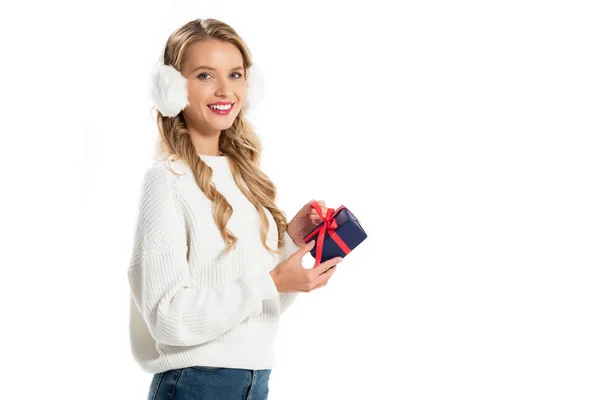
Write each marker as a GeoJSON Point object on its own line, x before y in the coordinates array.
{"type": "Point", "coordinates": [304, 222]}
{"type": "Point", "coordinates": [290, 276]}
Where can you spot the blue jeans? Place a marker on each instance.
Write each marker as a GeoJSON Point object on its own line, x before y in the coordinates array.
{"type": "Point", "coordinates": [195, 383]}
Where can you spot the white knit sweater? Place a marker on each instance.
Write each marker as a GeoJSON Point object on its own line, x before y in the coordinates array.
{"type": "Point", "coordinates": [192, 304]}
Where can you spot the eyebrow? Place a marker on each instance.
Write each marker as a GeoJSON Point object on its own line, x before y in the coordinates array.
{"type": "Point", "coordinates": [213, 69]}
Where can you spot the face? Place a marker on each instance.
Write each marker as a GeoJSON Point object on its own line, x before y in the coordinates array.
{"type": "Point", "coordinates": [216, 85]}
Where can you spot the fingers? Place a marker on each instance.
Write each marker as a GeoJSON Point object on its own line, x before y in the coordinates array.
{"type": "Point", "coordinates": [308, 206]}
{"type": "Point", "coordinates": [322, 279]}
{"type": "Point", "coordinates": [324, 266]}
{"type": "Point", "coordinates": [313, 212]}
{"type": "Point", "coordinates": [304, 249]}
{"type": "Point", "coordinates": [321, 285]}
{"type": "Point", "coordinates": [320, 202]}
{"type": "Point", "coordinates": [328, 269]}
{"type": "Point", "coordinates": [316, 219]}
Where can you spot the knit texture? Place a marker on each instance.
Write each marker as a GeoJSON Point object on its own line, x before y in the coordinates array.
{"type": "Point", "coordinates": [191, 304]}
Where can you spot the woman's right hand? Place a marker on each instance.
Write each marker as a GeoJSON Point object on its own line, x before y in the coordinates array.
{"type": "Point", "coordinates": [290, 276]}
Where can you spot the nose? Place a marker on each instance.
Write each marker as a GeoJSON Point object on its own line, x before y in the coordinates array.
{"type": "Point", "coordinates": [224, 91]}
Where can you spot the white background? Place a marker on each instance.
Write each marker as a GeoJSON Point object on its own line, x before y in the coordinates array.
{"type": "Point", "coordinates": [464, 136]}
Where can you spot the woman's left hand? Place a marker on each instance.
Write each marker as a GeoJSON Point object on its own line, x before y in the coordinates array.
{"type": "Point", "coordinates": [305, 221]}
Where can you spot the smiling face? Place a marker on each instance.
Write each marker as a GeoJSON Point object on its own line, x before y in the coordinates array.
{"type": "Point", "coordinates": [216, 85]}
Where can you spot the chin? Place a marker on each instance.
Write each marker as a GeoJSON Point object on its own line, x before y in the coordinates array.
{"type": "Point", "coordinates": [222, 122]}
{"type": "Point", "coordinates": [223, 125]}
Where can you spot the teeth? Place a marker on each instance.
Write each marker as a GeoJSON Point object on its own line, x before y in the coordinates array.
{"type": "Point", "coordinates": [221, 107]}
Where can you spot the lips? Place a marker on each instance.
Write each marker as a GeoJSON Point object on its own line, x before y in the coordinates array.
{"type": "Point", "coordinates": [222, 103]}
{"type": "Point", "coordinates": [222, 110]}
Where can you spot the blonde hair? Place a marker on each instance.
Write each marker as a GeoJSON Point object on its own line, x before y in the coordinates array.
{"type": "Point", "coordinates": [239, 142]}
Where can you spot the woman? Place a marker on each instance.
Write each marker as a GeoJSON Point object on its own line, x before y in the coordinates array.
{"type": "Point", "coordinates": [214, 262]}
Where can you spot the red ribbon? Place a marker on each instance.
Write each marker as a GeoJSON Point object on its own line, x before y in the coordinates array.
{"type": "Point", "coordinates": [329, 226]}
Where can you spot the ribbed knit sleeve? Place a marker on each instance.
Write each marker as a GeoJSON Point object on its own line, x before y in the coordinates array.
{"type": "Point", "coordinates": [289, 248]}
{"type": "Point", "coordinates": [177, 312]}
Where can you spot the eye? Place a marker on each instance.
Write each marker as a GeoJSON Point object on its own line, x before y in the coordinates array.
{"type": "Point", "coordinates": [240, 75]}
{"type": "Point", "coordinates": [202, 74]}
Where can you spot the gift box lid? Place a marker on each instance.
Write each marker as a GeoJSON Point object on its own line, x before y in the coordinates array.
{"type": "Point", "coordinates": [343, 216]}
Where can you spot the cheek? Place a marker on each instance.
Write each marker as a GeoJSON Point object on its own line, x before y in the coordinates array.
{"type": "Point", "coordinates": [241, 90]}
{"type": "Point", "coordinates": [241, 97]}
{"type": "Point", "coordinates": [198, 96]}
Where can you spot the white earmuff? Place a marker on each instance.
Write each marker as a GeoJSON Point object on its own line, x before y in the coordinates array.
{"type": "Point", "coordinates": [168, 90]}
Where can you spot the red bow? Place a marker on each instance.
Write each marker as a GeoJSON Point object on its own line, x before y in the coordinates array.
{"type": "Point", "coordinates": [329, 225]}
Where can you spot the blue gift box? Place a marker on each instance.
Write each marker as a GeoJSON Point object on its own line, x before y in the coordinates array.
{"type": "Point", "coordinates": [346, 228]}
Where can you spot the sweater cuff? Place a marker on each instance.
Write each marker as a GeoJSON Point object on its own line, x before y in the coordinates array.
{"type": "Point", "coordinates": [265, 286]}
